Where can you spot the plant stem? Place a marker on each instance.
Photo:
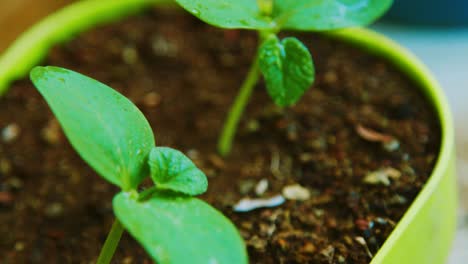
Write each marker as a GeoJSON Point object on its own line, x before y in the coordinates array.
{"type": "Point", "coordinates": [112, 241]}
{"type": "Point", "coordinates": [237, 108]}
{"type": "Point", "coordinates": [147, 193]}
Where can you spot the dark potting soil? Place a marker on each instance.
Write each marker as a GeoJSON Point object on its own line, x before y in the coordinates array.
{"type": "Point", "coordinates": [362, 142]}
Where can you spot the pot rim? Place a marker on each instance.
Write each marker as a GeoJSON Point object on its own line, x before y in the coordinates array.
{"type": "Point", "coordinates": [382, 46]}
{"type": "Point", "coordinates": [33, 45]}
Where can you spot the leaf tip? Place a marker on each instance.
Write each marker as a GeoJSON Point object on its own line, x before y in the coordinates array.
{"type": "Point", "coordinates": [40, 73]}
{"type": "Point", "coordinates": [37, 73]}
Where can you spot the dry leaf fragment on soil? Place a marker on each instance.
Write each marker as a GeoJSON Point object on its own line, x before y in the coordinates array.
{"type": "Point", "coordinates": [372, 135]}
{"type": "Point", "coordinates": [389, 142]}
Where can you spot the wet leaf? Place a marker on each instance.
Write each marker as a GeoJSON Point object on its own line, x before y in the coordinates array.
{"type": "Point", "coordinates": [287, 68]}
{"type": "Point", "coordinates": [228, 13]}
{"type": "Point", "coordinates": [105, 128]}
{"type": "Point", "coordinates": [317, 15]}
{"type": "Point", "coordinates": [180, 229]}
{"type": "Point", "coordinates": [171, 169]}
{"type": "Point", "coordinates": [311, 15]}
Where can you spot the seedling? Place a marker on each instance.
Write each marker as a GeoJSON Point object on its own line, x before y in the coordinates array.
{"type": "Point", "coordinates": [286, 65]}
{"type": "Point", "coordinates": [114, 138]}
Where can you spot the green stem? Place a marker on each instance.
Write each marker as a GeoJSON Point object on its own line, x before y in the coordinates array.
{"type": "Point", "coordinates": [112, 241]}
{"type": "Point", "coordinates": [235, 113]}
{"type": "Point", "coordinates": [147, 193]}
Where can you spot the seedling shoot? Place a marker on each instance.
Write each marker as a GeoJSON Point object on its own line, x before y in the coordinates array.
{"type": "Point", "coordinates": [285, 64]}
{"type": "Point", "coordinates": [115, 139]}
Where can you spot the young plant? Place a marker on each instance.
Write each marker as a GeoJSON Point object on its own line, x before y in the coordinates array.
{"type": "Point", "coordinates": [286, 65]}
{"type": "Point", "coordinates": [114, 138]}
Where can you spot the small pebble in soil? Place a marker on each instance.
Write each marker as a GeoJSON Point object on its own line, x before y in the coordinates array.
{"type": "Point", "coordinates": [362, 241]}
{"type": "Point", "coordinates": [130, 55]}
{"type": "Point", "coordinates": [317, 144]}
{"type": "Point", "coordinates": [193, 154]}
{"type": "Point", "coordinates": [330, 77]}
{"type": "Point", "coordinates": [209, 172]}
{"type": "Point", "coordinates": [5, 166]}
{"type": "Point", "coordinates": [163, 47]}
{"type": "Point", "coordinates": [15, 183]}
{"type": "Point", "coordinates": [257, 243]}
{"type": "Point", "coordinates": [398, 199]}
{"type": "Point", "coordinates": [328, 253]}
{"type": "Point", "coordinates": [127, 260]}
{"type": "Point", "coordinates": [382, 176]}
{"type": "Point", "coordinates": [247, 204]}
{"type": "Point", "coordinates": [252, 126]}
{"type": "Point", "coordinates": [261, 187]}
{"type": "Point", "coordinates": [227, 59]}
{"type": "Point", "coordinates": [228, 199]}
{"type": "Point", "coordinates": [217, 161]}
{"type": "Point", "coordinates": [319, 212]}
{"type": "Point", "coordinates": [6, 198]}
{"type": "Point", "coordinates": [10, 132]}
{"type": "Point", "coordinates": [380, 221]}
{"type": "Point", "coordinates": [393, 173]}
{"type": "Point", "coordinates": [54, 210]}
{"type": "Point", "coordinates": [152, 99]}
{"type": "Point", "coordinates": [362, 224]}
{"type": "Point", "coordinates": [392, 145]}
{"type": "Point", "coordinates": [296, 192]}
{"type": "Point", "coordinates": [275, 164]}
{"type": "Point", "coordinates": [377, 177]}
{"type": "Point", "coordinates": [306, 157]}
{"type": "Point", "coordinates": [51, 133]}
{"type": "Point", "coordinates": [19, 246]}
{"type": "Point", "coordinates": [246, 186]}
{"type": "Point", "coordinates": [308, 248]}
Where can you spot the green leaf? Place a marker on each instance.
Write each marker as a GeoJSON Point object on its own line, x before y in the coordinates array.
{"type": "Point", "coordinates": [317, 15]}
{"type": "Point", "coordinates": [308, 15]}
{"type": "Point", "coordinates": [171, 169]}
{"type": "Point", "coordinates": [180, 229]}
{"type": "Point", "coordinates": [105, 128]}
{"type": "Point", "coordinates": [228, 13]}
{"type": "Point", "coordinates": [287, 68]}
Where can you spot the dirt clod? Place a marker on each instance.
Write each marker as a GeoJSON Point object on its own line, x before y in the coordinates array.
{"type": "Point", "coordinates": [10, 132]}
{"type": "Point", "coordinates": [296, 192]}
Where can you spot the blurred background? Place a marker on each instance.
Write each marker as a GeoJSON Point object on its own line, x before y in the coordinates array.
{"type": "Point", "coordinates": [18, 15]}
{"type": "Point", "coordinates": [435, 30]}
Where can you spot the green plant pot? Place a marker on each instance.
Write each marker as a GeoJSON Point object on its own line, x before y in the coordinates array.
{"type": "Point", "coordinates": [425, 232]}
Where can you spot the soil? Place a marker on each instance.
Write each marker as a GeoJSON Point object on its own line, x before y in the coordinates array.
{"type": "Point", "coordinates": [362, 142]}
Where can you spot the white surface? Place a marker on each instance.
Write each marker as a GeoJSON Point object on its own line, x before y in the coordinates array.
{"type": "Point", "coordinates": [445, 52]}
